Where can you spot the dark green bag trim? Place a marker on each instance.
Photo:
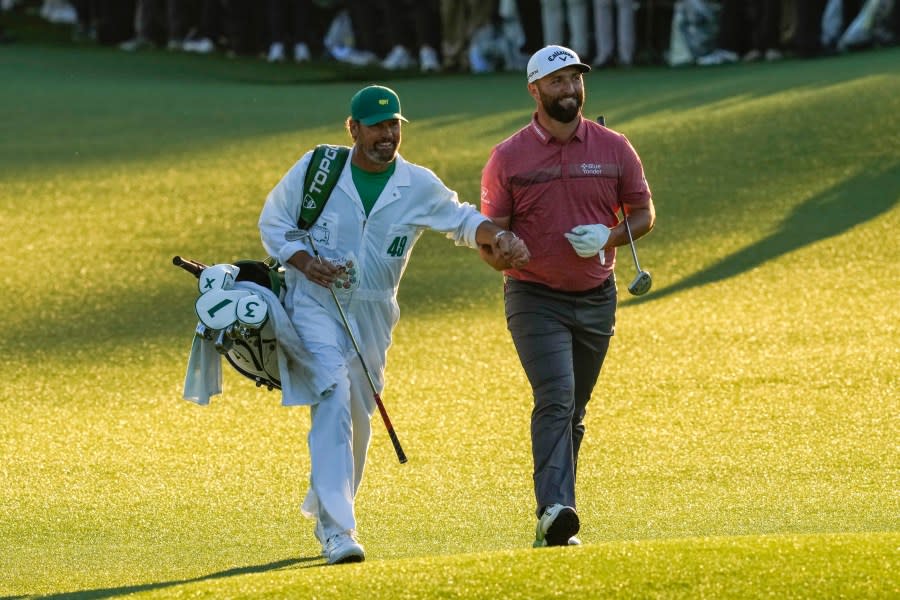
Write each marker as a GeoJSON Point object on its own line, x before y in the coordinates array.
{"type": "Point", "coordinates": [322, 175]}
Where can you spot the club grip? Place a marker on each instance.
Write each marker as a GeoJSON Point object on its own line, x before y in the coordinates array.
{"type": "Point", "coordinates": [191, 266]}
{"type": "Point", "coordinates": [401, 455]}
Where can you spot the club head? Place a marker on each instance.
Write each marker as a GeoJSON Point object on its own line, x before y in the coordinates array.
{"type": "Point", "coordinates": [641, 284]}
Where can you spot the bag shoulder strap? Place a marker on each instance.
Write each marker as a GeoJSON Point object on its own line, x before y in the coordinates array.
{"type": "Point", "coordinates": [322, 175]}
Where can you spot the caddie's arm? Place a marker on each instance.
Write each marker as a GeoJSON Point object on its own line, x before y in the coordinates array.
{"type": "Point", "coordinates": [318, 271]}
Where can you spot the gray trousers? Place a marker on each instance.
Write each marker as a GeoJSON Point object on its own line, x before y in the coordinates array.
{"type": "Point", "coordinates": [561, 339]}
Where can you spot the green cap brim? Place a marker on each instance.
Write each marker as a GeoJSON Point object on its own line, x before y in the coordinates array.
{"type": "Point", "coordinates": [369, 121]}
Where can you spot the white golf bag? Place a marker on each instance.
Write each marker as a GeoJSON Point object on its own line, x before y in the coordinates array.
{"type": "Point", "coordinates": [235, 318]}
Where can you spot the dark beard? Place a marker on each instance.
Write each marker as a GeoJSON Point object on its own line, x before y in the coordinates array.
{"type": "Point", "coordinates": [558, 113]}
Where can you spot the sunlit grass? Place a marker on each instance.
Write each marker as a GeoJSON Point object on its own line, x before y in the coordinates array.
{"type": "Point", "coordinates": [746, 413]}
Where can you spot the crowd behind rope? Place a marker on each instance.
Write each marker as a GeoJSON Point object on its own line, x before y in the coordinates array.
{"type": "Point", "coordinates": [481, 35]}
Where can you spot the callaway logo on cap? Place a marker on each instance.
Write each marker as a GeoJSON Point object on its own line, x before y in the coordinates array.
{"type": "Point", "coordinates": [553, 58]}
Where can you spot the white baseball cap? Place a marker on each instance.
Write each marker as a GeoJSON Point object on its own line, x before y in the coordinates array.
{"type": "Point", "coordinates": [553, 58]}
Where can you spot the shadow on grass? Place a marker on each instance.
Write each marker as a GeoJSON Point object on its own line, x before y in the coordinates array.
{"type": "Point", "coordinates": [146, 587]}
{"type": "Point", "coordinates": [858, 199]}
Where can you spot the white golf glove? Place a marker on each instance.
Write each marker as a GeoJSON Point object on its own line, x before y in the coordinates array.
{"type": "Point", "coordinates": [588, 240]}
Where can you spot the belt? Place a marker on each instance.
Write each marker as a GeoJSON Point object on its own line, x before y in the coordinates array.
{"type": "Point", "coordinates": [608, 282]}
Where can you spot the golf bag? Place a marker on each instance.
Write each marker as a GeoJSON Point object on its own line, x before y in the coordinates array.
{"type": "Point", "coordinates": [235, 319]}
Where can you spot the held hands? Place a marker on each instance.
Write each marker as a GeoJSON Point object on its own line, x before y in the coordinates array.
{"type": "Point", "coordinates": [511, 248]}
{"type": "Point", "coordinates": [589, 240]}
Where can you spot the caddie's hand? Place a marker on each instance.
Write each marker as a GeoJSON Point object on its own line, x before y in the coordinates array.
{"type": "Point", "coordinates": [320, 271]}
{"type": "Point", "coordinates": [589, 240]}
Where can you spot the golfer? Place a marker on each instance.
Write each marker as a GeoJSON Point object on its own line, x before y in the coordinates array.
{"type": "Point", "coordinates": [376, 212]}
{"type": "Point", "coordinates": [556, 184]}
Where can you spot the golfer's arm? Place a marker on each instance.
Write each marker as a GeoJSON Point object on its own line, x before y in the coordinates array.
{"type": "Point", "coordinates": [484, 236]}
{"type": "Point", "coordinates": [641, 221]}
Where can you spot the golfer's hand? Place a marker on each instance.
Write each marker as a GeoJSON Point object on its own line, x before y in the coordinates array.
{"type": "Point", "coordinates": [589, 240]}
{"type": "Point", "coordinates": [518, 253]}
{"type": "Point", "coordinates": [513, 250]}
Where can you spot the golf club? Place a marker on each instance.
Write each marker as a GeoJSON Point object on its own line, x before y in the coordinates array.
{"type": "Point", "coordinates": [384, 416]}
{"type": "Point", "coordinates": [642, 281]}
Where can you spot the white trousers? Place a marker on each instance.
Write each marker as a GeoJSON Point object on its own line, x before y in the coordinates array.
{"type": "Point", "coordinates": [338, 443]}
{"type": "Point", "coordinates": [339, 434]}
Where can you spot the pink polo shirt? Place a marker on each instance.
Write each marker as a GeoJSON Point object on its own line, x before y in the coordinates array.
{"type": "Point", "coordinates": [548, 187]}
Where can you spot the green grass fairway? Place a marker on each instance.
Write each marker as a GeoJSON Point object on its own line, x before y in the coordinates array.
{"type": "Point", "coordinates": [742, 440]}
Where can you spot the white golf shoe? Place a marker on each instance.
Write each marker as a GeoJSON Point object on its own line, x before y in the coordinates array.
{"type": "Point", "coordinates": [556, 527]}
{"type": "Point", "coordinates": [344, 548]}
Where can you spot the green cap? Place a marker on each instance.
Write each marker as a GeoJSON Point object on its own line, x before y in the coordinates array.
{"type": "Point", "coordinates": [374, 104]}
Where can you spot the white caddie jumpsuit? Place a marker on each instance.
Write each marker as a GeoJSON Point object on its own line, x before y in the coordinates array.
{"type": "Point", "coordinates": [375, 251]}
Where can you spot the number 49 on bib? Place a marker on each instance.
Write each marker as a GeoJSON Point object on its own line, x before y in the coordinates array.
{"type": "Point", "coordinates": [397, 247]}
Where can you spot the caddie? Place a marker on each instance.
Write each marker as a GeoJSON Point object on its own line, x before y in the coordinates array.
{"type": "Point", "coordinates": [377, 207]}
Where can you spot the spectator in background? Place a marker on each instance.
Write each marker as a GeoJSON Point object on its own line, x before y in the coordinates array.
{"type": "Point", "coordinates": [764, 18]}
{"type": "Point", "coordinates": [235, 25]}
{"type": "Point", "coordinates": [293, 15]}
{"type": "Point", "coordinates": [158, 22]}
{"type": "Point", "coordinates": [113, 20]}
{"type": "Point", "coordinates": [497, 46]}
{"type": "Point", "coordinates": [730, 27]}
{"type": "Point", "coordinates": [59, 11]}
{"type": "Point", "coordinates": [654, 32]}
{"type": "Point", "coordinates": [413, 28]}
{"type": "Point", "coordinates": [460, 19]}
{"type": "Point", "coordinates": [807, 40]}
{"type": "Point", "coordinates": [609, 39]}
{"type": "Point", "coordinates": [694, 32]}
{"type": "Point", "coordinates": [84, 26]}
{"type": "Point", "coordinates": [244, 25]}
{"type": "Point", "coordinates": [894, 22]}
{"type": "Point", "coordinates": [210, 28]}
{"type": "Point", "coordinates": [855, 24]}
{"type": "Point", "coordinates": [530, 19]}
{"type": "Point", "coordinates": [558, 16]}
{"type": "Point", "coordinates": [146, 21]}
{"type": "Point", "coordinates": [369, 33]}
